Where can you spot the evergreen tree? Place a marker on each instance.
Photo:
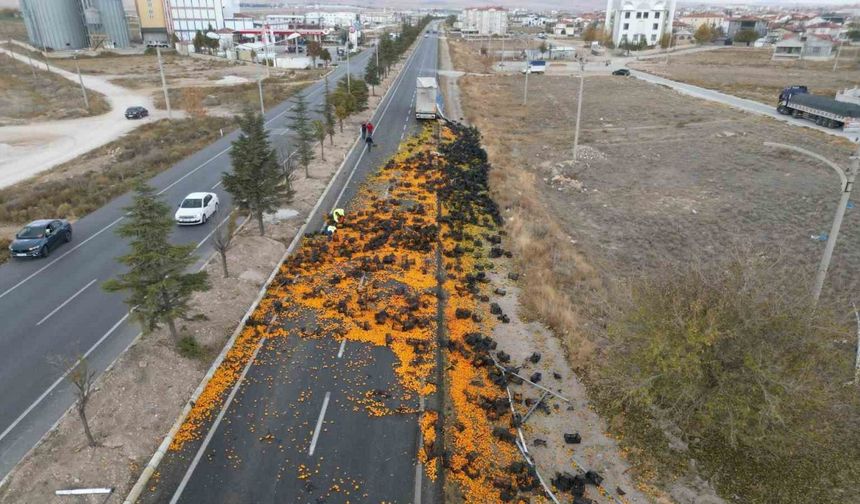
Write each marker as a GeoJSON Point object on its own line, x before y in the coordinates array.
{"type": "Point", "coordinates": [314, 51]}
{"type": "Point", "coordinates": [359, 92]}
{"type": "Point", "coordinates": [199, 41]}
{"type": "Point", "coordinates": [328, 113]}
{"type": "Point", "coordinates": [158, 286]}
{"type": "Point", "coordinates": [304, 133]}
{"type": "Point", "coordinates": [256, 179]}
{"type": "Point", "coordinates": [371, 75]}
{"type": "Point", "coordinates": [344, 104]}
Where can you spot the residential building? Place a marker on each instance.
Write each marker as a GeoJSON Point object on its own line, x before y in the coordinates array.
{"type": "Point", "coordinates": [187, 17]}
{"type": "Point", "coordinates": [813, 47]}
{"type": "Point", "coordinates": [154, 24]}
{"type": "Point", "coordinates": [485, 21]}
{"type": "Point", "coordinates": [377, 18]}
{"type": "Point", "coordinates": [828, 29]}
{"type": "Point", "coordinates": [133, 22]}
{"type": "Point", "coordinates": [639, 21]}
{"type": "Point", "coordinates": [731, 26]}
{"type": "Point", "coordinates": [696, 19]}
{"type": "Point", "coordinates": [330, 19]}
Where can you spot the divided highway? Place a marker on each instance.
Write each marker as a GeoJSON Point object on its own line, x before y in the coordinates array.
{"type": "Point", "coordinates": [293, 432]}
{"type": "Point", "coordinates": [55, 307]}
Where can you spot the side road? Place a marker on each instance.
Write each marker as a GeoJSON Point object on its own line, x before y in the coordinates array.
{"type": "Point", "coordinates": [32, 148]}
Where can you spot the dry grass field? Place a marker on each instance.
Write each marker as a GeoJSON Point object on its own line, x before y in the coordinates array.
{"type": "Point", "coordinates": [46, 96]}
{"type": "Point", "coordinates": [750, 73]}
{"type": "Point", "coordinates": [662, 181]}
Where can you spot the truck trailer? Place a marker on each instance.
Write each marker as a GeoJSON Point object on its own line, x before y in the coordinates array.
{"type": "Point", "coordinates": [824, 111]}
{"type": "Point", "coordinates": [426, 98]}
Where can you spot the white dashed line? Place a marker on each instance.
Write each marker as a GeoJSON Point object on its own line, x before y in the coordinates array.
{"type": "Point", "coordinates": [342, 348]}
{"type": "Point", "coordinates": [319, 424]}
{"type": "Point", "coordinates": [55, 310]}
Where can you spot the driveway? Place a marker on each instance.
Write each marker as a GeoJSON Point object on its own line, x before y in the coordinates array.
{"type": "Point", "coordinates": [28, 149]}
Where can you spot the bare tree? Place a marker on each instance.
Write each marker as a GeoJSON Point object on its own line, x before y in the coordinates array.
{"type": "Point", "coordinates": [82, 377]}
{"type": "Point", "coordinates": [222, 240]}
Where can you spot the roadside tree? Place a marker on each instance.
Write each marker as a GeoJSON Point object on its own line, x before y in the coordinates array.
{"type": "Point", "coordinates": [328, 113]}
{"type": "Point", "coordinates": [746, 36]}
{"type": "Point", "coordinates": [703, 34]}
{"type": "Point", "coordinates": [319, 134]}
{"type": "Point", "coordinates": [371, 75]}
{"type": "Point", "coordinates": [344, 105]}
{"type": "Point", "coordinates": [158, 286]}
{"type": "Point", "coordinates": [305, 138]}
{"type": "Point", "coordinates": [222, 240]}
{"type": "Point", "coordinates": [314, 51]}
{"type": "Point", "coordinates": [255, 182]}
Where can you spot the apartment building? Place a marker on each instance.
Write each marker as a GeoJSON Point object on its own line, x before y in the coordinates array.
{"type": "Point", "coordinates": [485, 21]}
{"type": "Point", "coordinates": [639, 22]}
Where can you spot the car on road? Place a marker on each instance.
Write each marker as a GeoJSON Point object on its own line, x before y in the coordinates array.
{"type": "Point", "coordinates": [136, 113]}
{"type": "Point", "coordinates": [196, 208]}
{"type": "Point", "coordinates": [40, 237]}
{"type": "Point", "coordinates": [621, 71]}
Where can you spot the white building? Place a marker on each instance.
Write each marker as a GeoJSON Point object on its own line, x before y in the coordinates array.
{"type": "Point", "coordinates": [486, 21]}
{"type": "Point", "coordinates": [330, 19]}
{"type": "Point", "coordinates": [377, 18]}
{"type": "Point", "coordinates": [189, 16]}
{"type": "Point", "coordinates": [638, 21]}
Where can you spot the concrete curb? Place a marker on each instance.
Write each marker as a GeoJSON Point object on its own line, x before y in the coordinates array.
{"type": "Point", "coordinates": [152, 465]}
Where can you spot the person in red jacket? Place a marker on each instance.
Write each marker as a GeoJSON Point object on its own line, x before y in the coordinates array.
{"type": "Point", "coordinates": [369, 128]}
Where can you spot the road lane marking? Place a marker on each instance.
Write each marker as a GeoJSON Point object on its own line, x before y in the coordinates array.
{"type": "Point", "coordinates": [319, 424]}
{"type": "Point", "coordinates": [215, 424]}
{"type": "Point", "coordinates": [379, 123]}
{"type": "Point", "coordinates": [342, 348]}
{"type": "Point", "coordinates": [43, 268]}
{"type": "Point", "coordinates": [216, 185]}
{"type": "Point", "coordinates": [76, 247]}
{"type": "Point", "coordinates": [55, 310]}
{"type": "Point", "coordinates": [59, 380]}
{"type": "Point", "coordinates": [200, 244]}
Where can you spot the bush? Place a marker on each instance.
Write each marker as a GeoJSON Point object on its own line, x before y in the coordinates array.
{"type": "Point", "coordinates": [189, 348]}
{"type": "Point", "coordinates": [744, 369]}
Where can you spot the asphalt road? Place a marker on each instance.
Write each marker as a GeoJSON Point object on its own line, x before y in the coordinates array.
{"type": "Point", "coordinates": [292, 433]}
{"type": "Point", "coordinates": [738, 103]}
{"type": "Point", "coordinates": [55, 308]}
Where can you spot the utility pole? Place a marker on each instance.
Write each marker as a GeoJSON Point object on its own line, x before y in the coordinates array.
{"type": "Point", "coordinates": [526, 85]}
{"type": "Point", "coordinates": [348, 81]}
{"type": "Point", "coordinates": [847, 185]}
{"type": "Point", "coordinates": [837, 223]}
{"type": "Point", "coordinates": [81, 81]}
{"type": "Point", "coordinates": [260, 86]}
{"type": "Point", "coordinates": [578, 108]}
{"type": "Point", "coordinates": [163, 81]}
{"type": "Point", "coordinates": [838, 52]}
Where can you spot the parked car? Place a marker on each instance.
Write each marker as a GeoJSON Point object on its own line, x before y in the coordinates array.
{"type": "Point", "coordinates": [40, 237]}
{"type": "Point", "coordinates": [196, 208]}
{"type": "Point", "coordinates": [621, 71]}
{"type": "Point", "coordinates": [136, 113]}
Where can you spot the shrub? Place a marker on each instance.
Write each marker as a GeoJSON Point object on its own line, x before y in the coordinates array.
{"type": "Point", "coordinates": [189, 348]}
{"type": "Point", "coordinates": [743, 367]}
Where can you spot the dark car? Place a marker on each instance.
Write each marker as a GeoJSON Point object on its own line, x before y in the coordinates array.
{"type": "Point", "coordinates": [136, 113]}
{"type": "Point", "coordinates": [38, 238]}
{"type": "Point", "coordinates": [621, 71]}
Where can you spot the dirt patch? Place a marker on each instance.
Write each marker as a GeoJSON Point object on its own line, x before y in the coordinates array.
{"type": "Point", "coordinates": [479, 56]}
{"type": "Point", "coordinates": [27, 96]}
{"type": "Point", "coordinates": [232, 99]}
{"type": "Point", "coordinates": [750, 73]}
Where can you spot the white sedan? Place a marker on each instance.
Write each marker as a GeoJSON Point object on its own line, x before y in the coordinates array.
{"type": "Point", "coordinates": [196, 208]}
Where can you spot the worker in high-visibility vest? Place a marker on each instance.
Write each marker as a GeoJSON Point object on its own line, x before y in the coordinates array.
{"type": "Point", "coordinates": [329, 230]}
{"type": "Point", "coordinates": [337, 214]}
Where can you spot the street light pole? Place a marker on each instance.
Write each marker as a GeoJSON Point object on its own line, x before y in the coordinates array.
{"type": "Point", "coordinates": [81, 81]}
{"type": "Point", "coordinates": [260, 86]}
{"type": "Point", "coordinates": [163, 81]}
{"type": "Point", "coordinates": [578, 108]}
{"type": "Point", "coordinates": [847, 186]}
{"type": "Point", "coordinates": [526, 85]}
{"type": "Point", "coordinates": [348, 81]}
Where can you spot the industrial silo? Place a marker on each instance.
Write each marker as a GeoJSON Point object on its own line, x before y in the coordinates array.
{"type": "Point", "coordinates": [106, 23]}
{"type": "Point", "coordinates": [55, 24]}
